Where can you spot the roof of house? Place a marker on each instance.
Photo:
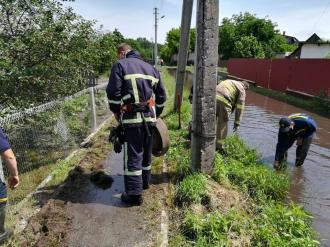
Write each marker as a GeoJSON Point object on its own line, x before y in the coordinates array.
{"type": "Point", "coordinates": [290, 38]}
{"type": "Point", "coordinates": [314, 39]}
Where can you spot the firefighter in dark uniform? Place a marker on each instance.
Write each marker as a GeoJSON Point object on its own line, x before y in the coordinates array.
{"type": "Point", "coordinates": [136, 97]}
{"type": "Point", "coordinates": [9, 159]}
{"type": "Point", "coordinates": [297, 127]}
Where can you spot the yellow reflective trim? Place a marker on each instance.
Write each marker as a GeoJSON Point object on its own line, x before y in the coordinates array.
{"type": "Point", "coordinates": [298, 115]}
{"type": "Point", "coordinates": [154, 80]}
{"type": "Point", "coordinates": [133, 77]}
{"type": "Point", "coordinates": [223, 100]}
{"type": "Point", "coordinates": [146, 168]}
{"type": "Point", "coordinates": [160, 105]}
{"type": "Point", "coordinates": [127, 96]}
{"type": "Point", "coordinates": [125, 156]}
{"type": "Point", "coordinates": [230, 86]}
{"type": "Point", "coordinates": [3, 199]}
{"type": "Point", "coordinates": [239, 106]}
{"type": "Point", "coordinates": [116, 102]}
{"type": "Point", "coordinates": [135, 91]}
{"type": "Point", "coordinates": [139, 119]}
{"type": "Point", "coordinates": [126, 171]}
{"type": "Point", "coordinates": [133, 173]}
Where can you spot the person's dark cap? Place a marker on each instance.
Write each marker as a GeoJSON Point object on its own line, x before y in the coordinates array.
{"type": "Point", "coordinates": [285, 123]}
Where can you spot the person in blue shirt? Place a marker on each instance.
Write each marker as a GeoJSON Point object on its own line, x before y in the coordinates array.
{"type": "Point", "coordinates": [297, 127]}
{"type": "Point", "coordinates": [9, 158]}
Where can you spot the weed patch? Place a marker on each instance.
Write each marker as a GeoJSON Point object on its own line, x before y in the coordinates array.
{"type": "Point", "coordinates": [244, 203]}
{"type": "Point", "coordinates": [192, 189]}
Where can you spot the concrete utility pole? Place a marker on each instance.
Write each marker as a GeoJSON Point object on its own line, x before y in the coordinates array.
{"type": "Point", "coordinates": [155, 48]}
{"type": "Point", "coordinates": [183, 51]}
{"type": "Point", "coordinates": [204, 101]}
{"type": "Point", "coordinates": [156, 26]}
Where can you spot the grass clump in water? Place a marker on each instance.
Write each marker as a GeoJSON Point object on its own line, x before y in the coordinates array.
{"type": "Point", "coordinates": [258, 181]}
{"type": "Point", "coordinates": [235, 148]}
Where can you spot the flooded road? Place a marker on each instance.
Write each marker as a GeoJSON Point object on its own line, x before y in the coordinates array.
{"type": "Point", "coordinates": [101, 219]}
{"type": "Point", "coordinates": [310, 184]}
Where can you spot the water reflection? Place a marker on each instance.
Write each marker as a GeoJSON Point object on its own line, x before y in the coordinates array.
{"type": "Point", "coordinates": [310, 184]}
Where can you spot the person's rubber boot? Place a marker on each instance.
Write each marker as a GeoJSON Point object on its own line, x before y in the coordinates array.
{"type": "Point", "coordinates": [4, 233]}
{"type": "Point", "coordinates": [135, 200]}
{"type": "Point", "coordinates": [146, 186]}
{"type": "Point", "coordinates": [146, 179]}
{"type": "Point", "coordinates": [298, 163]}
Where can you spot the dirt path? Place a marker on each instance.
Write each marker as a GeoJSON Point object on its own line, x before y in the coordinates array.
{"type": "Point", "coordinates": [99, 218]}
{"type": "Point", "coordinates": [79, 213]}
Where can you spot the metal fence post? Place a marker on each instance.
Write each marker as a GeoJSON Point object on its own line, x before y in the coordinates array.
{"type": "Point", "coordinates": [93, 108]}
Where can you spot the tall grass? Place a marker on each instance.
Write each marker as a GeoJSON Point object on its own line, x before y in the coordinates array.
{"type": "Point", "coordinates": [265, 220]}
{"type": "Point", "coordinates": [192, 190]}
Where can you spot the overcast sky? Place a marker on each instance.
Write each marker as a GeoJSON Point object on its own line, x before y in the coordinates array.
{"type": "Point", "coordinates": [134, 18]}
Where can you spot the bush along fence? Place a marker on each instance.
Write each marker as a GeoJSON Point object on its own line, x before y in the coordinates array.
{"type": "Point", "coordinates": [242, 203]}
{"type": "Point", "coordinates": [42, 135]}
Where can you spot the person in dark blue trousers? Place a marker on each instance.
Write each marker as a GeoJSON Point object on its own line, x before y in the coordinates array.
{"type": "Point", "coordinates": [9, 158]}
{"type": "Point", "coordinates": [297, 127]}
{"type": "Point", "coordinates": [136, 97]}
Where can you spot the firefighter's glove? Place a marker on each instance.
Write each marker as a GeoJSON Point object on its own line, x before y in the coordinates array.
{"type": "Point", "coordinates": [116, 137]}
{"type": "Point", "coordinates": [117, 146]}
{"type": "Point", "coordinates": [159, 111]}
{"type": "Point", "coordinates": [236, 127]}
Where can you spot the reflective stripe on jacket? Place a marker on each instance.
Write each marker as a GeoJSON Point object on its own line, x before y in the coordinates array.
{"type": "Point", "coordinates": [134, 81]}
{"type": "Point", "coordinates": [232, 93]}
{"type": "Point", "coordinates": [304, 125]}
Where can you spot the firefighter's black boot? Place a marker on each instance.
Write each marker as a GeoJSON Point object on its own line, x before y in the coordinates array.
{"type": "Point", "coordinates": [4, 233]}
{"type": "Point", "coordinates": [135, 200]}
{"type": "Point", "coordinates": [299, 162]}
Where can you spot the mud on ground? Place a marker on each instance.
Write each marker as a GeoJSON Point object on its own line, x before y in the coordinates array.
{"type": "Point", "coordinates": [73, 210]}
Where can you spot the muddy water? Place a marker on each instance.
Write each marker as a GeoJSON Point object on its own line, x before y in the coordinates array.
{"type": "Point", "coordinates": [101, 219]}
{"type": "Point", "coordinates": [310, 184]}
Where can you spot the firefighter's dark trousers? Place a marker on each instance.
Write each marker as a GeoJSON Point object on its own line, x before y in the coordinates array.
{"type": "Point", "coordinates": [223, 114]}
{"type": "Point", "coordinates": [301, 152]}
{"type": "Point", "coordinates": [137, 160]}
{"type": "Point", "coordinates": [3, 201]}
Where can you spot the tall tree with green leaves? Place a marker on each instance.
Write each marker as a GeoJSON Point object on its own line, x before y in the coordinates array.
{"type": "Point", "coordinates": [47, 51]}
{"type": "Point", "coordinates": [247, 36]}
{"type": "Point", "coordinates": [172, 43]}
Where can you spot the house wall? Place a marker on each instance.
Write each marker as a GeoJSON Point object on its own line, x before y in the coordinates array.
{"type": "Point", "coordinates": [315, 50]}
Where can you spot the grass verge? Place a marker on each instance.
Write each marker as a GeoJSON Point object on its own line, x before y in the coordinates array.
{"type": "Point", "coordinates": [243, 203]}
{"type": "Point", "coordinates": [319, 105]}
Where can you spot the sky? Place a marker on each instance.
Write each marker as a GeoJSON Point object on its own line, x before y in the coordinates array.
{"type": "Point", "coordinates": [134, 18]}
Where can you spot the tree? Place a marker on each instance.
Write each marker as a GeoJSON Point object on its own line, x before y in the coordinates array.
{"type": "Point", "coordinates": [248, 47]}
{"type": "Point", "coordinates": [245, 28]}
{"type": "Point", "coordinates": [106, 50]}
{"type": "Point", "coordinates": [46, 51]}
{"type": "Point", "coordinates": [172, 43]}
{"type": "Point", "coordinates": [144, 46]}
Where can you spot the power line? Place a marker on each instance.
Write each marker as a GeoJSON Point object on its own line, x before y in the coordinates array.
{"type": "Point", "coordinates": [322, 14]}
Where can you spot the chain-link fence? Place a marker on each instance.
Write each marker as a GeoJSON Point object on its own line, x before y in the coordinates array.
{"type": "Point", "coordinates": [42, 135]}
